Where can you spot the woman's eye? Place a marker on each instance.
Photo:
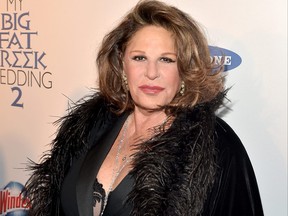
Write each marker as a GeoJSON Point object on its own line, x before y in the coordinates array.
{"type": "Point", "coordinates": [139, 58]}
{"type": "Point", "coordinates": [167, 60]}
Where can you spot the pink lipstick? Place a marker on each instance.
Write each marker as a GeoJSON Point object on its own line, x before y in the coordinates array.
{"type": "Point", "coordinates": [151, 89]}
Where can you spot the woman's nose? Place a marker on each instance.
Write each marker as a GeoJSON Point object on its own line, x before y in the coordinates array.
{"type": "Point", "coordinates": [152, 71]}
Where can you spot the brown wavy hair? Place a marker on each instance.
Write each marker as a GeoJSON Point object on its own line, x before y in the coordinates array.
{"type": "Point", "coordinates": [203, 80]}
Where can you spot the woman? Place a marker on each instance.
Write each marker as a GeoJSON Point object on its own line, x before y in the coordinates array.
{"type": "Point", "coordinates": [148, 142]}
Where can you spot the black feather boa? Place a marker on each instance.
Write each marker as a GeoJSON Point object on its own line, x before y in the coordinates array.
{"type": "Point", "coordinates": [173, 171]}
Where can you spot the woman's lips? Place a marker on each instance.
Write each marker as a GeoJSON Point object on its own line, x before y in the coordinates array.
{"type": "Point", "coordinates": [151, 89]}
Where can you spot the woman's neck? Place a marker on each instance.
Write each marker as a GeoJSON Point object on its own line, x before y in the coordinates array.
{"type": "Point", "coordinates": [142, 120]}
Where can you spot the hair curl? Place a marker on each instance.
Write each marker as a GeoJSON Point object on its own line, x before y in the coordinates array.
{"type": "Point", "coordinates": [202, 81]}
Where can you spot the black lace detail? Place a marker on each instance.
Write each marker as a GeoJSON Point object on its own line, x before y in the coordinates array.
{"type": "Point", "coordinates": [98, 194]}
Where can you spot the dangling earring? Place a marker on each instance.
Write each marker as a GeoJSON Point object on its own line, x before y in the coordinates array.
{"type": "Point", "coordinates": [125, 82]}
{"type": "Point", "coordinates": [182, 88]}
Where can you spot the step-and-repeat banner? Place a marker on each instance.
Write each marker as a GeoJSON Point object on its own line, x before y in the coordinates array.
{"type": "Point", "coordinates": [47, 59]}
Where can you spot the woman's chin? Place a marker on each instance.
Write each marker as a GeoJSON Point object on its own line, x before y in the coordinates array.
{"type": "Point", "coordinates": [149, 106]}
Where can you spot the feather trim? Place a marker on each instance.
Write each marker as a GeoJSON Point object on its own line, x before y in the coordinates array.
{"type": "Point", "coordinates": [174, 170]}
{"type": "Point", "coordinates": [44, 185]}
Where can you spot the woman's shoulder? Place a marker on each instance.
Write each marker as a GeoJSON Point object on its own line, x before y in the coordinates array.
{"type": "Point", "coordinates": [88, 103]}
{"type": "Point", "coordinates": [86, 109]}
{"type": "Point", "coordinates": [232, 157]}
{"type": "Point", "coordinates": [235, 181]}
{"type": "Point", "coordinates": [230, 151]}
{"type": "Point", "coordinates": [88, 113]}
{"type": "Point", "coordinates": [227, 140]}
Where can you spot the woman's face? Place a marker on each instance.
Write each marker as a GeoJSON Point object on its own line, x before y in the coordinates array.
{"type": "Point", "coordinates": [150, 64]}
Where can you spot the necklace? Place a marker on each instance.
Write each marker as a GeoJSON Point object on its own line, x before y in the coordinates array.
{"type": "Point", "coordinates": [117, 168]}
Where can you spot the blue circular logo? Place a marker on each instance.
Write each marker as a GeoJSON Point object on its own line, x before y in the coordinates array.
{"type": "Point", "coordinates": [229, 59]}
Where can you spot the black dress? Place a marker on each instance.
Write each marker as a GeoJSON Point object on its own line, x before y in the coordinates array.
{"type": "Point", "coordinates": [81, 186]}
